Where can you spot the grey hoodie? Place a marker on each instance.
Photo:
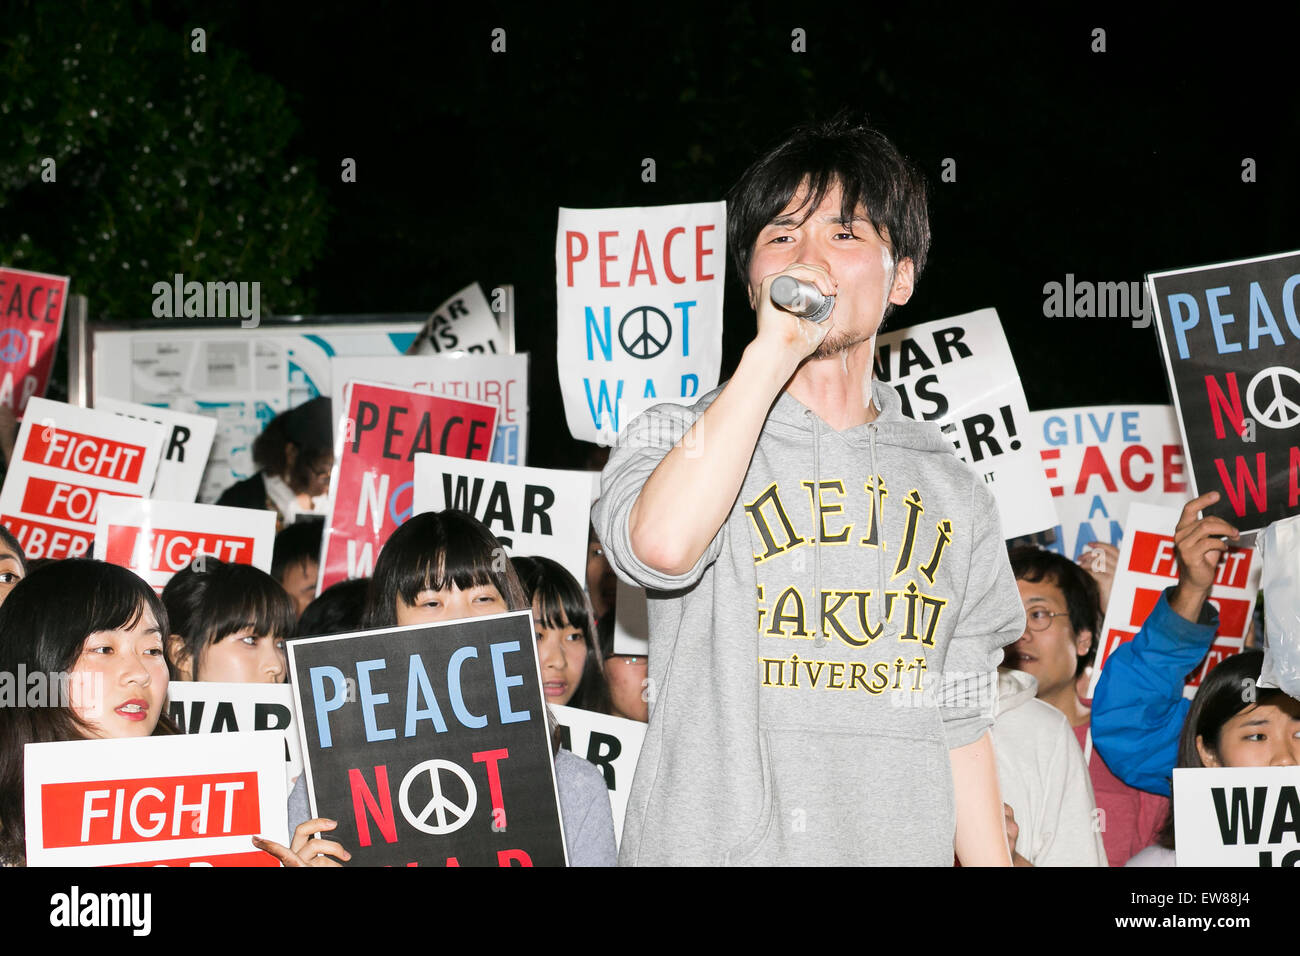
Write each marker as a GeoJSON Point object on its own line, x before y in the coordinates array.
{"type": "Point", "coordinates": [795, 716]}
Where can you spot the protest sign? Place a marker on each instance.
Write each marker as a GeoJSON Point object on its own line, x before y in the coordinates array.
{"type": "Point", "coordinates": [500, 380]}
{"type": "Point", "coordinates": [631, 620]}
{"type": "Point", "coordinates": [376, 441]}
{"type": "Point", "coordinates": [639, 294]}
{"type": "Point", "coordinates": [211, 707]}
{"type": "Point", "coordinates": [429, 744]}
{"type": "Point", "coordinates": [155, 539]}
{"type": "Point", "coordinates": [613, 744]}
{"type": "Point", "coordinates": [31, 318]}
{"type": "Point", "coordinates": [959, 373]}
{"type": "Point", "coordinates": [66, 458]}
{"type": "Point", "coordinates": [532, 511]}
{"type": "Point", "coordinates": [1230, 333]}
{"type": "Point", "coordinates": [240, 379]}
{"type": "Point", "coordinates": [1148, 564]}
{"type": "Point", "coordinates": [1237, 816]}
{"type": "Point", "coordinates": [1100, 459]}
{"type": "Point", "coordinates": [156, 801]}
{"type": "Point", "coordinates": [185, 453]}
{"type": "Point", "coordinates": [464, 323]}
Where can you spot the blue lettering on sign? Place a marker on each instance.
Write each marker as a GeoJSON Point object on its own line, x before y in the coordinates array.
{"type": "Point", "coordinates": [370, 700]}
{"type": "Point", "coordinates": [1183, 315]}
{"type": "Point", "coordinates": [453, 687]}
{"type": "Point", "coordinates": [601, 402]}
{"type": "Point", "coordinates": [326, 703]}
{"type": "Point", "coordinates": [1259, 306]}
{"type": "Point", "coordinates": [1219, 319]}
{"type": "Point", "coordinates": [1096, 506]}
{"type": "Point", "coordinates": [506, 449]}
{"type": "Point", "coordinates": [694, 381]}
{"type": "Point", "coordinates": [685, 308]}
{"type": "Point", "coordinates": [605, 342]}
{"type": "Point", "coordinates": [400, 516]}
{"type": "Point", "coordinates": [504, 682]}
{"type": "Point", "coordinates": [1129, 424]}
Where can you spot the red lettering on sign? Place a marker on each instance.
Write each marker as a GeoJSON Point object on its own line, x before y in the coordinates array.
{"type": "Point", "coordinates": [40, 540]}
{"type": "Point", "coordinates": [1052, 454]}
{"type": "Point", "coordinates": [1174, 485]}
{"type": "Point", "coordinates": [572, 254]}
{"type": "Point", "coordinates": [363, 802]}
{"type": "Point", "coordinates": [171, 550]}
{"type": "Point", "coordinates": [60, 499]}
{"type": "Point", "coordinates": [251, 858]}
{"type": "Point", "coordinates": [1244, 482]}
{"type": "Point", "coordinates": [105, 812]}
{"type": "Point", "coordinates": [1153, 554]}
{"type": "Point", "coordinates": [1230, 403]}
{"type": "Point", "coordinates": [84, 454]}
{"type": "Point", "coordinates": [1131, 481]}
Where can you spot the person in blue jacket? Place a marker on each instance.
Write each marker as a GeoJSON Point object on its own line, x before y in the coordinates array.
{"type": "Point", "coordinates": [1139, 707]}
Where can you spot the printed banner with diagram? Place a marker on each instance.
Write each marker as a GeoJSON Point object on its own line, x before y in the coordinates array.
{"type": "Point", "coordinates": [1100, 459]}
{"type": "Point", "coordinates": [66, 459]}
{"type": "Point", "coordinates": [31, 317]}
{"type": "Point", "coordinates": [639, 294]}
{"type": "Point", "coordinates": [155, 539]}
{"type": "Point", "coordinates": [1148, 564]}
{"type": "Point", "coordinates": [500, 380]}
{"type": "Point", "coordinates": [240, 378]}
{"type": "Point", "coordinates": [532, 511]}
{"type": "Point", "coordinates": [175, 800]}
{"type": "Point", "coordinates": [959, 372]}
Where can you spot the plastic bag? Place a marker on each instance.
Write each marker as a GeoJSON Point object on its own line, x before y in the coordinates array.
{"type": "Point", "coordinates": [1279, 549]}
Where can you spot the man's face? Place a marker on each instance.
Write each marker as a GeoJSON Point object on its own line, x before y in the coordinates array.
{"type": "Point", "coordinates": [1052, 654]}
{"type": "Point", "coordinates": [858, 259]}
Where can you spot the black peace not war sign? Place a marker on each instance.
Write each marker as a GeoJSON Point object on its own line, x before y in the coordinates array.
{"type": "Point", "coordinates": [644, 332]}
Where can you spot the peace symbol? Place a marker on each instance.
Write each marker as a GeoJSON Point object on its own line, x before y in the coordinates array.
{"type": "Point", "coordinates": [1281, 412]}
{"type": "Point", "coordinates": [438, 804]}
{"type": "Point", "coordinates": [13, 345]}
{"type": "Point", "coordinates": [644, 345]}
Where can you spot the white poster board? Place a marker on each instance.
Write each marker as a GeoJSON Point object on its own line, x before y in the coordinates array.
{"type": "Point", "coordinates": [532, 511]}
{"type": "Point", "coordinates": [156, 801]}
{"type": "Point", "coordinates": [464, 323]}
{"type": "Point", "coordinates": [612, 744]}
{"type": "Point", "coordinates": [1237, 816]}
{"type": "Point", "coordinates": [65, 461]}
{"type": "Point", "coordinates": [206, 707]}
{"type": "Point", "coordinates": [185, 452]}
{"type": "Point", "coordinates": [500, 380]}
{"type": "Point", "coordinates": [155, 539]}
{"type": "Point", "coordinates": [959, 372]}
{"type": "Point", "coordinates": [639, 295]}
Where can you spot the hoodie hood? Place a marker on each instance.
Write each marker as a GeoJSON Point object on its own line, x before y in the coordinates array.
{"type": "Point", "coordinates": [1014, 688]}
{"type": "Point", "coordinates": [791, 419]}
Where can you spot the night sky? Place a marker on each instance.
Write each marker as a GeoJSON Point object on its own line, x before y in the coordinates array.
{"type": "Point", "coordinates": [1105, 165]}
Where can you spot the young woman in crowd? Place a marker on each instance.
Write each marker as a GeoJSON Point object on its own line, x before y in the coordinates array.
{"type": "Point", "coordinates": [104, 627]}
{"type": "Point", "coordinates": [1232, 723]}
{"type": "Point", "coordinates": [294, 455]}
{"type": "Point", "coordinates": [443, 566]}
{"type": "Point", "coordinates": [625, 676]}
{"type": "Point", "coordinates": [13, 563]}
{"type": "Point", "coordinates": [229, 622]}
{"type": "Point", "coordinates": [567, 650]}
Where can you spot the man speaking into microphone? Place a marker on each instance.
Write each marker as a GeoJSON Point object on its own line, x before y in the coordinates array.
{"type": "Point", "coordinates": [829, 593]}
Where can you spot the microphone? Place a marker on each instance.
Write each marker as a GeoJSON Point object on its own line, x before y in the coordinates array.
{"type": "Point", "coordinates": [801, 298]}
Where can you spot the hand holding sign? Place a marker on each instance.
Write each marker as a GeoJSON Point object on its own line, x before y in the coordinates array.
{"type": "Point", "coordinates": [1199, 546]}
{"type": "Point", "coordinates": [304, 850]}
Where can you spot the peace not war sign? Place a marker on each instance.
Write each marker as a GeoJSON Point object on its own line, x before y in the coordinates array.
{"type": "Point", "coordinates": [450, 816]}
{"type": "Point", "coordinates": [1283, 408]}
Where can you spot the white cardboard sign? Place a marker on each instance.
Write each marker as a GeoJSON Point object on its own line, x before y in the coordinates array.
{"type": "Point", "coordinates": [612, 744]}
{"type": "Point", "coordinates": [185, 453]}
{"type": "Point", "coordinates": [205, 707]}
{"type": "Point", "coordinates": [1237, 816]}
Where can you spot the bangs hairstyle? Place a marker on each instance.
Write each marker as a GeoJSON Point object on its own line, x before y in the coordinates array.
{"type": "Point", "coordinates": [44, 624]}
{"type": "Point", "coordinates": [1082, 597]}
{"type": "Point", "coordinates": [871, 172]}
{"type": "Point", "coordinates": [207, 605]}
{"type": "Point", "coordinates": [433, 551]}
{"type": "Point", "coordinates": [559, 601]}
{"type": "Point", "coordinates": [1228, 690]}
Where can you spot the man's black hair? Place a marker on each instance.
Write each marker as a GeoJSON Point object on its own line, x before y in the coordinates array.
{"type": "Point", "coordinates": [339, 609]}
{"type": "Point", "coordinates": [296, 546]}
{"type": "Point", "coordinates": [1082, 598]}
{"type": "Point", "coordinates": [870, 170]}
